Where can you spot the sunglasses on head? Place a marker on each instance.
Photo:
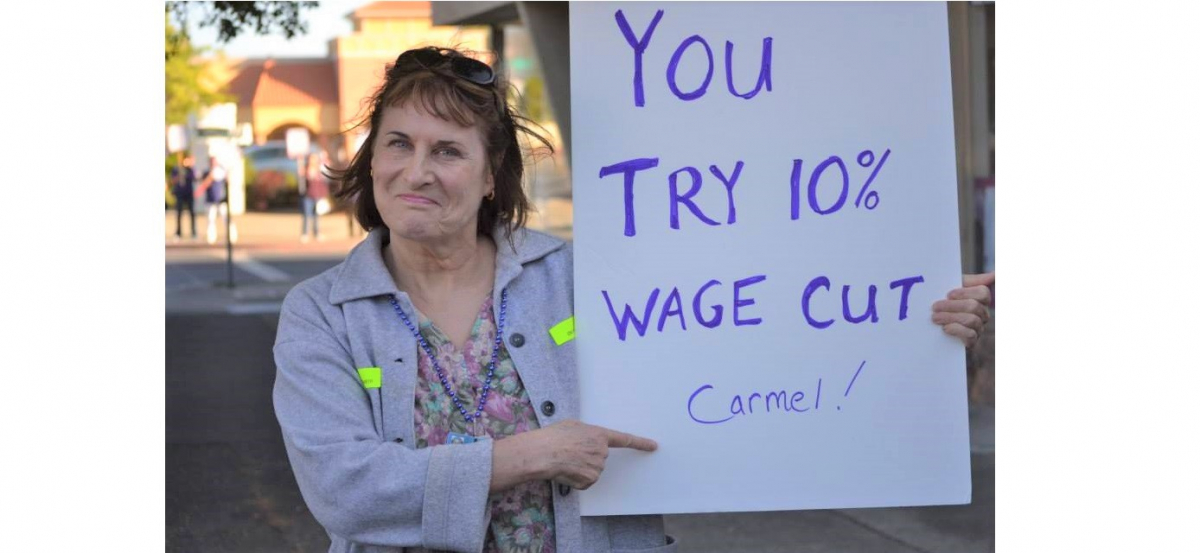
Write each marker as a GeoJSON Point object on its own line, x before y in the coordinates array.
{"type": "Point", "coordinates": [463, 67]}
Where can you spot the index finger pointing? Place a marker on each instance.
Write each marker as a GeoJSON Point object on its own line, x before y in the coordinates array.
{"type": "Point", "coordinates": [621, 439]}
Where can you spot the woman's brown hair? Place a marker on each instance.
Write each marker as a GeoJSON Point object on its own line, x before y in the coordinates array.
{"type": "Point", "coordinates": [437, 84]}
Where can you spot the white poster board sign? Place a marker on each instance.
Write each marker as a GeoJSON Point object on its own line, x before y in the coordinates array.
{"type": "Point", "coordinates": [175, 139]}
{"type": "Point", "coordinates": [218, 116]}
{"type": "Point", "coordinates": [296, 141]}
{"type": "Point", "coordinates": [765, 211]}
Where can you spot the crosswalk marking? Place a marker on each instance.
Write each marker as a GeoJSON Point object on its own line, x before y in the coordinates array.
{"type": "Point", "coordinates": [260, 269]}
{"type": "Point", "coordinates": [254, 308]}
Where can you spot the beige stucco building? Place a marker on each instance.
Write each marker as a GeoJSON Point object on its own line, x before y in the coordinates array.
{"type": "Point", "coordinates": [325, 95]}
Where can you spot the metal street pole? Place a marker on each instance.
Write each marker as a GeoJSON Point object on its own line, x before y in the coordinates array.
{"type": "Point", "coordinates": [228, 235]}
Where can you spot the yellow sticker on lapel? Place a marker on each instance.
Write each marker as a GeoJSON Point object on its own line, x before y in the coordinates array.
{"type": "Point", "coordinates": [371, 377]}
{"type": "Point", "coordinates": [563, 332]}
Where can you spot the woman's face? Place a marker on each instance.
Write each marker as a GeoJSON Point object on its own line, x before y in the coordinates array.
{"type": "Point", "coordinates": [430, 175]}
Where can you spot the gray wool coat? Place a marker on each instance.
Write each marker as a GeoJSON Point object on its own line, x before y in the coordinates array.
{"type": "Point", "coordinates": [352, 448]}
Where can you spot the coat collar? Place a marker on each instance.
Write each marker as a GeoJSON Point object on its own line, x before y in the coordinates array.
{"type": "Point", "coordinates": [364, 274]}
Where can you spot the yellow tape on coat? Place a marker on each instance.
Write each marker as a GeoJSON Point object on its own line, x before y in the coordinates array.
{"type": "Point", "coordinates": [563, 332]}
{"type": "Point", "coordinates": [371, 377]}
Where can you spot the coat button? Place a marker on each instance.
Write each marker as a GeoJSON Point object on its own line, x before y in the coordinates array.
{"type": "Point", "coordinates": [548, 408]}
{"type": "Point", "coordinates": [399, 440]}
{"type": "Point", "coordinates": [517, 340]}
{"type": "Point", "coordinates": [564, 489]}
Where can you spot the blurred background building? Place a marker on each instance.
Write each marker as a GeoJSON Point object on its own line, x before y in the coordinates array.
{"type": "Point", "coordinates": [324, 95]}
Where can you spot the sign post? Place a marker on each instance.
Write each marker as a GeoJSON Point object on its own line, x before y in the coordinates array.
{"type": "Point", "coordinates": [765, 212]}
{"type": "Point", "coordinates": [297, 141]}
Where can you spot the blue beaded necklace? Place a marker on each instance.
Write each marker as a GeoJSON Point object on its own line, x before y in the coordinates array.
{"type": "Point", "coordinates": [487, 385]}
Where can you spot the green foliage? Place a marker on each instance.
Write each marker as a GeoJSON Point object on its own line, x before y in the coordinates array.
{"type": "Point", "coordinates": [232, 18]}
{"type": "Point", "coordinates": [184, 92]}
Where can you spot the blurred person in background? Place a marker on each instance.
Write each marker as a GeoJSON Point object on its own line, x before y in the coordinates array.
{"type": "Point", "coordinates": [183, 186]}
{"type": "Point", "coordinates": [422, 402]}
{"type": "Point", "coordinates": [215, 187]}
{"type": "Point", "coordinates": [314, 197]}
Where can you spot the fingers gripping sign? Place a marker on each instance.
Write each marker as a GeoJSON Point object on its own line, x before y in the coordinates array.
{"type": "Point", "coordinates": [984, 279]}
{"type": "Point", "coordinates": [965, 310]}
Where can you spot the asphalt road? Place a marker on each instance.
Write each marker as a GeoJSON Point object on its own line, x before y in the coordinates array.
{"type": "Point", "coordinates": [230, 488]}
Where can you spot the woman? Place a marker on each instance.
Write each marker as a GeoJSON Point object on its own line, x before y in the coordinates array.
{"type": "Point", "coordinates": [420, 399]}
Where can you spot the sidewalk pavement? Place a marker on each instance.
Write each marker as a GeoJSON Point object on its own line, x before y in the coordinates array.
{"type": "Point", "coordinates": [277, 233]}
{"type": "Point", "coordinates": [259, 286]}
{"type": "Point", "coordinates": [267, 233]}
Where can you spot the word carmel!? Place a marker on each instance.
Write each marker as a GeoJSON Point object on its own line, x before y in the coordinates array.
{"type": "Point", "coordinates": [712, 315]}
{"type": "Point", "coordinates": [774, 400]}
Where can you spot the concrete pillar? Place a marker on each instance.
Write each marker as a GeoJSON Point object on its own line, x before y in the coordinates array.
{"type": "Point", "coordinates": [549, 27]}
{"type": "Point", "coordinates": [496, 41]}
{"type": "Point", "coordinates": [960, 79]}
{"type": "Point", "coordinates": [982, 132]}
{"type": "Point", "coordinates": [981, 129]}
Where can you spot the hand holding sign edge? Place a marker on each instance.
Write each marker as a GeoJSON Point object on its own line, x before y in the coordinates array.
{"type": "Point", "coordinates": [966, 310]}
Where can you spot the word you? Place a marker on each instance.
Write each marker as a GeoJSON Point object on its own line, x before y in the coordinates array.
{"type": "Point", "coordinates": [642, 42]}
{"type": "Point", "coordinates": [713, 314]}
{"type": "Point", "coordinates": [774, 400]}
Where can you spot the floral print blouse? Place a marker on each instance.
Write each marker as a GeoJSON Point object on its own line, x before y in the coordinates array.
{"type": "Point", "coordinates": [522, 517]}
